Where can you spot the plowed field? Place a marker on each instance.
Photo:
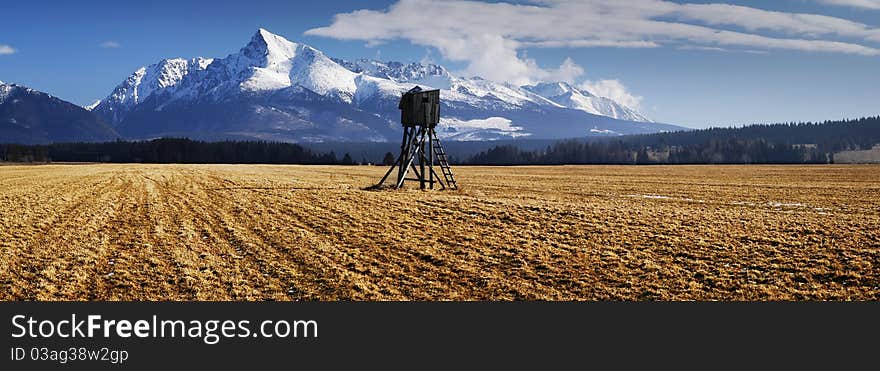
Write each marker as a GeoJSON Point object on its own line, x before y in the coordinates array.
{"type": "Point", "coordinates": [243, 232]}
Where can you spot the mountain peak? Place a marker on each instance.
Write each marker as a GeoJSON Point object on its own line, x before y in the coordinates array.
{"type": "Point", "coordinates": [159, 78]}
{"type": "Point", "coordinates": [265, 34]}
{"type": "Point", "coordinates": [93, 105]}
{"type": "Point", "coordinates": [274, 48]}
{"type": "Point", "coordinates": [569, 96]}
{"type": "Point", "coordinates": [271, 62]}
{"type": "Point", "coordinates": [429, 74]}
{"type": "Point", "coordinates": [263, 37]}
{"type": "Point", "coordinates": [552, 89]}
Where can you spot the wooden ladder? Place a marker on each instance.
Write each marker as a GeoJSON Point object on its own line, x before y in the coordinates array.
{"type": "Point", "coordinates": [444, 162]}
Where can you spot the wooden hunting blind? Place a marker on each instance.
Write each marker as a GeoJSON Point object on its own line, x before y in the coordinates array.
{"type": "Point", "coordinates": [420, 147]}
{"type": "Point", "coordinates": [420, 107]}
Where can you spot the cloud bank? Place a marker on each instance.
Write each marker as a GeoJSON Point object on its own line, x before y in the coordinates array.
{"type": "Point", "coordinates": [615, 90]}
{"type": "Point", "coordinates": [490, 37]}
{"type": "Point", "coordinates": [866, 4]}
{"type": "Point", "coordinates": [7, 50]}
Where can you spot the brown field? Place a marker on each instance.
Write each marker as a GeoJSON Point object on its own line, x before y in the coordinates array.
{"type": "Point", "coordinates": [240, 232]}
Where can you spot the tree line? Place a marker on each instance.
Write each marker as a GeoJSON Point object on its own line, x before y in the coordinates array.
{"type": "Point", "coordinates": [171, 150]}
{"type": "Point", "coordinates": [790, 143]}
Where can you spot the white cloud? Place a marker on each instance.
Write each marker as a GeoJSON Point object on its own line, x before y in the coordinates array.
{"type": "Point", "coordinates": [720, 50]}
{"type": "Point", "coordinates": [491, 38]}
{"type": "Point", "coordinates": [427, 58]}
{"type": "Point", "coordinates": [491, 45]}
{"type": "Point", "coordinates": [7, 50]}
{"type": "Point", "coordinates": [752, 19]}
{"type": "Point", "coordinates": [703, 48]}
{"type": "Point", "coordinates": [458, 35]}
{"type": "Point", "coordinates": [568, 71]}
{"type": "Point", "coordinates": [867, 4]}
{"type": "Point", "coordinates": [614, 90]}
{"type": "Point", "coordinates": [110, 44]}
{"type": "Point", "coordinates": [590, 44]}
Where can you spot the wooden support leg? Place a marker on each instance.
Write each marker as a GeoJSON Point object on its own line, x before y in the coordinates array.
{"type": "Point", "coordinates": [431, 135]}
{"type": "Point", "coordinates": [407, 156]}
{"type": "Point", "coordinates": [422, 162]}
{"type": "Point", "coordinates": [400, 158]}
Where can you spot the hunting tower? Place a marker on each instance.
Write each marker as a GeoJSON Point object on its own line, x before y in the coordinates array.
{"type": "Point", "coordinates": [420, 147]}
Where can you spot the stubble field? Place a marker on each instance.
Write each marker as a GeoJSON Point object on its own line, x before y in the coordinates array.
{"type": "Point", "coordinates": [250, 232]}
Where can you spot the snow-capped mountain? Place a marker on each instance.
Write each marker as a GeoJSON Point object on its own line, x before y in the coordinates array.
{"type": "Point", "coordinates": [275, 89]}
{"type": "Point", "coordinates": [427, 74]}
{"type": "Point", "coordinates": [157, 79]}
{"type": "Point", "coordinates": [29, 116]}
{"type": "Point", "coordinates": [571, 97]}
{"type": "Point", "coordinates": [269, 63]}
{"type": "Point", "coordinates": [561, 93]}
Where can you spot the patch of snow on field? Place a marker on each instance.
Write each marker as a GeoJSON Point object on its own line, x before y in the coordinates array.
{"type": "Point", "coordinates": [692, 200]}
{"type": "Point", "coordinates": [774, 204]}
{"type": "Point", "coordinates": [782, 204]}
{"type": "Point", "coordinates": [788, 205]}
{"type": "Point", "coordinates": [660, 197]}
{"type": "Point", "coordinates": [656, 197]}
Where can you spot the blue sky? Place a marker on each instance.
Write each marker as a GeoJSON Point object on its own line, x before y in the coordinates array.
{"type": "Point", "coordinates": [683, 63]}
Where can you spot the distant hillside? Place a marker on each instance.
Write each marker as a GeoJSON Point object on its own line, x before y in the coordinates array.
{"type": "Point", "coordinates": [28, 116]}
{"type": "Point", "coordinates": [756, 144]}
{"type": "Point", "coordinates": [830, 136]}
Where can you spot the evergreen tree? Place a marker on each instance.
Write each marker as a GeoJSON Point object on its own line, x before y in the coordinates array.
{"type": "Point", "coordinates": [389, 159]}
{"type": "Point", "coordinates": [642, 158]}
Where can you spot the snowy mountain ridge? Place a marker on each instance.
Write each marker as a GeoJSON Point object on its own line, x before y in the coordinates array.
{"type": "Point", "coordinates": [277, 89]}
{"type": "Point", "coordinates": [5, 90]}
{"type": "Point", "coordinates": [160, 78]}
{"type": "Point", "coordinates": [8, 89]}
{"type": "Point", "coordinates": [569, 96]}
